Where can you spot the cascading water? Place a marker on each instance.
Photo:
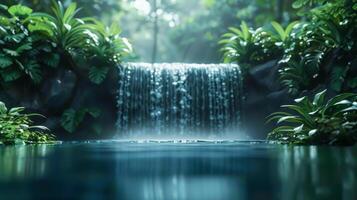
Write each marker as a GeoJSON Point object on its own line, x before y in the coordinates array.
{"type": "Point", "coordinates": [179, 100]}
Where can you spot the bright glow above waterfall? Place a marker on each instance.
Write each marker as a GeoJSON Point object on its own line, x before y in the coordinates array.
{"type": "Point", "coordinates": [142, 6]}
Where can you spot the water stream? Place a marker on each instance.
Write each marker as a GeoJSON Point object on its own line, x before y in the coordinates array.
{"type": "Point", "coordinates": [179, 100]}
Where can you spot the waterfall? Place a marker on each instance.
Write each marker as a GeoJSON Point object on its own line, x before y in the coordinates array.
{"type": "Point", "coordinates": [179, 100]}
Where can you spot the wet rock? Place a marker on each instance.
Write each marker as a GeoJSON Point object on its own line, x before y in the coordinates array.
{"type": "Point", "coordinates": [266, 75]}
{"type": "Point", "coordinates": [102, 97]}
{"type": "Point", "coordinates": [58, 91]}
{"type": "Point", "coordinates": [4, 97]}
{"type": "Point", "coordinates": [263, 96]}
{"type": "Point", "coordinates": [257, 110]}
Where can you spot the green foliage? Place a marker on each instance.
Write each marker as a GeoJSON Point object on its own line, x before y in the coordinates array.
{"type": "Point", "coordinates": [324, 48]}
{"type": "Point", "coordinates": [84, 37]}
{"type": "Point", "coordinates": [63, 27]}
{"type": "Point", "coordinates": [321, 50]}
{"type": "Point", "coordinates": [34, 44]}
{"type": "Point", "coordinates": [21, 54]}
{"type": "Point", "coordinates": [318, 122]}
{"type": "Point", "coordinates": [71, 118]}
{"type": "Point", "coordinates": [32, 41]}
{"type": "Point", "coordinates": [98, 74]}
{"type": "Point", "coordinates": [20, 11]}
{"type": "Point", "coordinates": [249, 47]}
{"type": "Point", "coordinates": [17, 127]}
{"type": "Point", "coordinates": [108, 50]}
{"type": "Point", "coordinates": [283, 34]}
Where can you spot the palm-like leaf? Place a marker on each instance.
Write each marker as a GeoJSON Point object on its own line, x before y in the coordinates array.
{"type": "Point", "coordinates": [315, 121]}
{"type": "Point", "coordinates": [283, 33]}
{"type": "Point", "coordinates": [63, 28]}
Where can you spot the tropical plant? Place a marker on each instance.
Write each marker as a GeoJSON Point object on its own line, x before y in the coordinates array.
{"type": "Point", "coordinates": [33, 43]}
{"type": "Point", "coordinates": [281, 34]}
{"type": "Point", "coordinates": [71, 118]}
{"type": "Point", "coordinates": [22, 54]}
{"type": "Point", "coordinates": [323, 49]}
{"type": "Point", "coordinates": [248, 47]}
{"type": "Point", "coordinates": [102, 47]}
{"type": "Point", "coordinates": [317, 122]}
{"type": "Point", "coordinates": [319, 51]}
{"type": "Point", "coordinates": [108, 50]}
{"type": "Point", "coordinates": [63, 27]}
{"type": "Point", "coordinates": [15, 127]}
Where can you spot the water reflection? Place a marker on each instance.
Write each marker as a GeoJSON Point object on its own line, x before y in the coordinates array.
{"type": "Point", "coordinates": [318, 172]}
{"type": "Point", "coordinates": [23, 162]}
{"type": "Point", "coordinates": [112, 170]}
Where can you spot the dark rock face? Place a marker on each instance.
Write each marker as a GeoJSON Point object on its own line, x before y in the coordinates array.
{"type": "Point", "coordinates": [63, 90]}
{"type": "Point", "coordinates": [263, 96]}
{"type": "Point", "coordinates": [103, 97]}
{"type": "Point", "coordinates": [266, 76]}
{"type": "Point", "coordinates": [56, 92]}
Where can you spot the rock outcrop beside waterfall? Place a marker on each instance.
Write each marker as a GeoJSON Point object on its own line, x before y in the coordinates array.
{"type": "Point", "coordinates": [65, 90]}
{"type": "Point", "coordinates": [264, 95]}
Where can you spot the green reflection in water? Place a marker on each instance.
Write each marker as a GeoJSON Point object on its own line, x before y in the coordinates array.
{"type": "Point", "coordinates": [178, 171]}
{"type": "Point", "coordinates": [22, 162]}
{"type": "Point", "coordinates": [318, 172]}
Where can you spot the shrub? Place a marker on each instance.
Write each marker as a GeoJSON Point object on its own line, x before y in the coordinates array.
{"type": "Point", "coordinates": [248, 47]}
{"type": "Point", "coordinates": [108, 50]}
{"type": "Point", "coordinates": [33, 44]}
{"type": "Point", "coordinates": [322, 50]}
{"type": "Point", "coordinates": [318, 122]}
{"type": "Point", "coordinates": [22, 54]}
{"type": "Point", "coordinates": [82, 37]}
{"type": "Point", "coordinates": [15, 126]}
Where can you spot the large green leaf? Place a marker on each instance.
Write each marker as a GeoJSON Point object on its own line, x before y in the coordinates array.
{"type": "Point", "coordinates": [19, 10]}
{"type": "Point", "coordinates": [290, 28]}
{"type": "Point", "coordinates": [10, 75]}
{"type": "Point", "coordinates": [245, 31]}
{"type": "Point", "coordinates": [24, 47]}
{"type": "Point", "coordinates": [303, 112]}
{"type": "Point", "coordinates": [32, 69]}
{"type": "Point", "coordinates": [5, 61]}
{"type": "Point", "coordinates": [11, 52]}
{"type": "Point", "coordinates": [279, 29]}
{"type": "Point", "coordinates": [3, 109]}
{"type": "Point", "coordinates": [16, 110]}
{"type": "Point", "coordinates": [335, 100]}
{"type": "Point", "coordinates": [319, 98]}
{"type": "Point", "coordinates": [70, 12]}
{"type": "Point", "coordinates": [71, 118]}
{"type": "Point", "coordinates": [98, 74]}
{"type": "Point", "coordinates": [43, 27]}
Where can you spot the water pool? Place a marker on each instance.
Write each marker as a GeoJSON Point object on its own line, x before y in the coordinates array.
{"type": "Point", "coordinates": [199, 170]}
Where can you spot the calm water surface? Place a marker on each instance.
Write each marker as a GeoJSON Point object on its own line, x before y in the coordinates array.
{"type": "Point", "coordinates": [167, 171]}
